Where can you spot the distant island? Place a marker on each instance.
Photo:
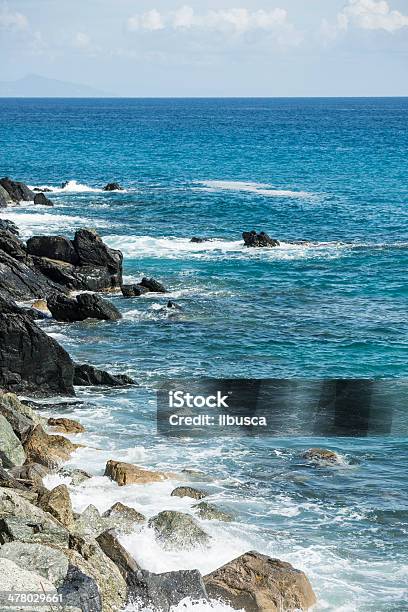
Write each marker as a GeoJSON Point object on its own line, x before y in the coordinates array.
{"type": "Point", "coordinates": [36, 86]}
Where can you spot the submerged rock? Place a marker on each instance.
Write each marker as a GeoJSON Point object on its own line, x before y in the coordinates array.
{"type": "Point", "coordinates": [41, 200]}
{"type": "Point", "coordinates": [133, 290]}
{"type": "Point", "coordinates": [47, 450]}
{"type": "Point", "coordinates": [64, 425]}
{"type": "Point", "coordinates": [178, 531]}
{"type": "Point", "coordinates": [210, 512]}
{"type": "Point", "coordinates": [53, 247]}
{"type": "Point", "coordinates": [17, 191]}
{"type": "Point", "coordinates": [261, 239]}
{"type": "Point", "coordinates": [146, 285]}
{"type": "Point", "coordinates": [152, 285]}
{"type": "Point", "coordinates": [127, 473]}
{"type": "Point", "coordinates": [86, 375]}
{"type": "Point", "coordinates": [198, 240]}
{"type": "Point", "coordinates": [258, 583]}
{"type": "Point", "coordinates": [48, 562]}
{"type": "Point", "coordinates": [321, 455]}
{"type": "Point", "coordinates": [113, 187]}
{"type": "Point", "coordinates": [84, 306]}
{"type": "Point", "coordinates": [188, 492]}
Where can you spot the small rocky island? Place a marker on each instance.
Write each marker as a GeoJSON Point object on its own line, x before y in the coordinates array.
{"type": "Point", "coordinates": [44, 545]}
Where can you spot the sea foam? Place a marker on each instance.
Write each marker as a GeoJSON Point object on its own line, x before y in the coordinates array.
{"type": "Point", "coordinates": [262, 189]}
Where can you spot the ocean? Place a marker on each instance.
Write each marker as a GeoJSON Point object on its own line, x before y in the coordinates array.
{"type": "Point", "coordinates": [329, 179]}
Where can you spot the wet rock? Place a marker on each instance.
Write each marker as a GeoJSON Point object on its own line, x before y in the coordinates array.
{"type": "Point", "coordinates": [58, 503]}
{"type": "Point", "coordinates": [40, 309]}
{"type": "Point", "coordinates": [152, 285]}
{"type": "Point", "coordinates": [90, 523]}
{"type": "Point", "coordinates": [261, 239]}
{"type": "Point", "coordinates": [48, 562]}
{"type": "Point", "coordinates": [83, 306]}
{"type": "Point", "coordinates": [17, 191]}
{"type": "Point", "coordinates": [42, 189]}
{"type": "Point", "coordinates": [76, 475]}
{"type": "Point", "coordinates": [53, 247]}
{"type": "Point", "coordinates": [123, 517]}
{"type": "Point", "coordinates": [133, 290]}
{"type": "Point", "coordinates": [196, 474]}
{"type": "Point", "coordinates": [126, 473]}
{"type": "Point", "coordinates": [109, 543]}
{"type": "Point", "coordinates": [64, 425]}
{"type": "Point", "coordinates": [5, 199]}
{"type": "Point", "coordinates": [41, 200]}
{"type": "Point", "coordinates": [12, 245]}
{"type": "Point", "coordinates": [113, 187]}
{"type": "Point", "coordinates": [47, 450]}
{"type": "Point", "coordinates": [198, 240]}
{"type": "Point", "coordinates": [319, 455]}
{"type": "Point", "coordinates": [8, 226]}
{"type": "Point", "coordinates": [20, 424]}
{"type": "Point", "coordinates": [178, 531]}
{"type": "Point", "coordinates": [18, 281]}
{"type": "Point", "coordinates": [31, 361]}
{"type": "Point", "coordinates": [173, 305]}
{"type": "Point", "coordinates": [165, 591]}
{"type": "Point", "coordinates": [11, 450]}
{"type": "Point", "coordinates": [258, 583]}
{"type": "Point", "coordinates": [210, 512]}
{"type": "Point", "coordinates": [80, 591]}
{"type": "Point", "coordinates": [188, 492]}
{"type": "Point", "coordinates": [86, 375]}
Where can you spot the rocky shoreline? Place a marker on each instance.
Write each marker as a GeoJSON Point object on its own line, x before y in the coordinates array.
{"type": "Point", "coordinates": [44, 545]}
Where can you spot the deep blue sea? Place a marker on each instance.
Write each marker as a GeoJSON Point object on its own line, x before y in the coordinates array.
{"type": "Point", "coordinates": [329, 179]}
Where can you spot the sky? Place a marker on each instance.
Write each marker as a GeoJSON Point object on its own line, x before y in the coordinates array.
{"type": "Point", "coordinates": [210, 47]}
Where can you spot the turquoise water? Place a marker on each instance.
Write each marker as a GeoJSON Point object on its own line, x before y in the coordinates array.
{"type": "Point", "coordinates": [331, 172]}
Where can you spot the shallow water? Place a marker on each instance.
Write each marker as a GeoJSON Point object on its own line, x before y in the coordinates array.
{"type": "Point", "coordinates": [332, 173]}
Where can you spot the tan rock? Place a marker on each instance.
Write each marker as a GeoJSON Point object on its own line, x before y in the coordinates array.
{"type": "Point", "coordinates": [321, 454]}
{"type": "Point", "coordinates": [58, 503]}
{"type": "Point", "coordinates": [258, 583]}
{"type": "Point", "coordinates": [41, 305]}
{"type": "Point", "coordinates": [65, 425]}
{"type": "Point", "coordinates": [47, 450]}
{"type": "Point", "coordinates": [126, 473]}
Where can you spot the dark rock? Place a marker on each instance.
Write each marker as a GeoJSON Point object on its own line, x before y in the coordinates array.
{"type": "Point", "coordinates": [188, 492]}
{"type": "Point", "coordinates": [41, 200]}
{"type": "Point", "coordinates": [113, 187]}
{"type": "Point", "coordinates": [64, 184]}
{"type": "Point", "coordinates": [80, 591]}
{"type": "Point", "coordinates": [53, 247]}
{"type": "Point", "coordinates": [178, 531]}
{"type": "Point", "coordinates": [9, 226]}
{"type": "Point", "coordinates": [18, 281]}
{"type": "Point", "coordinates": [93, 252]}
{"type": "Point", "coordinates": [84, 306]}
{"type": "Point", "coordinates": [258, 583]}
{"type": "Point", "coordinates": [253, 239]}
{"type": "Point", "coordinates": [42, 189]}
{"type": "Point", "coordinates": [58, 272]}
{"type": "Point", "coordinates": [30, 360]}
{"type": "Point", "coordinates": [12, 245]}
{"type": "Point", "coordinates": [152, 285]}
{"type": "Point", "coordinates": [5, 199]}
{"type": "Point", "coordinates": [16, 190]}
{"type": "Point", "coordinates": [88, 376]}
{"type": "Point", "coordinates": [133, 290]}
{"type": "Point", "coordinates": [173, 305]}
{"type": "Point", "coordinates": [198, 240]}
{"type": "Point", "coordinates": [165, 591]}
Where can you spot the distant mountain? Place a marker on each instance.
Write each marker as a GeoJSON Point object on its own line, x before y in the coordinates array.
{"type": "Point", "coordinates": [35, 86]}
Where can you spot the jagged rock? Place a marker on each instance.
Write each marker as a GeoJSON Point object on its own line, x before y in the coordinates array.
{"type": "Point", "coordinates": [188, 492]}
{"type": "Point", "coordinates": [11, 450]}
{"type": "Point", "coordinates": [58, 503]}
{"type": "Point", "coordinates": [84, 306]}
{"type": "Point", "coordinates": [126, 473]}
{"type": "Point", "coordinates": [30, 360]}
{"type": "Point", "coordinates": [113, 187]}
{"type": "Point", "coordinates": [5, 199]}
{"type": "Point", "coordinates": [152, 285]}
{"type": "Point", "coordinates": [64, 425]}
{"type": "Point", "coordinates": [87, 555]}
{"type": "Point", "coordinates": [319, 455]}
{"type": "Point", "coordinates": [20, 424]}
{"type": "Point", "coordinates": [53, 247]}
{"type": "Point", "coordinates": [17, 191]}
{"type": "Point", "coordinates": [121, 513]}
{"type": "Point", "coordinates": [14, 578]}
{"type": "Point", "coordinates": [48, 562]}
{"type": "Point", "coordinates": [18, 281]}
{"type": "Point", "coordinates": [93, 252]}
{"type": "Point", "coordinates": [9, 481]}
{"type": "Point", "coordinates": [76, 475]}
{"type": "Point", "coordinates": [109, 543]}
{"type": "Point", "coordinates": [133, 290]}
{"type": "Point", "coordinates": [258, 583]}
{"type": "Point", "coordinates": [42, 189]}
{"type": "Point", "coordinates": [90, 523]}
{"type": "Point", "coordinates": [178, 531]}
{"type": "Point", "coordinates": [210, 512]}
{"type": "Point", "coordinates": [29, 530]}
{"type": "Point", "coordinates": [41, 200]}
{"type": "Point", "coordinates": [198, 240]}
{"type": "Point", "coordinates": [11, 400]}
{"type": "Point", "coordinates": [253, 239]}
{"type": "Point", "coordinates": [86, 375]}
{"type": "Point", "coordinates": [8, 226]}
{"type": "Point", "coordinates": [47, 450]}
{"type": "Point", "coordinates": [31, 473]}
{"type": "Point", "coordinates": [12, 245]}
{"type": "Point", "coordinates": [80, 591]}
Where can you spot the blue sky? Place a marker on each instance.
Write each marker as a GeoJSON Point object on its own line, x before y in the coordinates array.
{"type": "Point", "coordinates": [211, 48]}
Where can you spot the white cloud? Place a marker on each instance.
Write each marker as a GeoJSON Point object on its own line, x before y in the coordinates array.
{"type": "Point", "coordinates": [12, 21]}
{"type": "Point", "coordinates": [371, 15]}
{"type": "Point", "coordinates": [237, 20]}
{"type": "Point", "coordinates": [81, 41]}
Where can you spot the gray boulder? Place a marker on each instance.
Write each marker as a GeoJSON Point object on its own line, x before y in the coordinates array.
{"type": "Point", "coordinates": [11, 450]}
{"type": "Point", "coordinates": [178, 531]}
{"type": "Point", "coordinates": [20, 424]}
{"type": "Point", "coordinates": [210, 512]}
{"type": "Point", "coordinates": [41, 200]}
{"type": "Point", "coordinates": [84, 306]}
{"type": "Point", "coordinates": [32, 531]}
{"type": "Point", "coordinates": [43, 560]}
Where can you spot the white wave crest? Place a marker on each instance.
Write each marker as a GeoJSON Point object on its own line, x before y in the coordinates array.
{"type": "Point", "coordinates": [262, 189]}
{"type": "Point", "coordinates": [71, 186]}
{"type": "Point", "coordinates": [42, 222]}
